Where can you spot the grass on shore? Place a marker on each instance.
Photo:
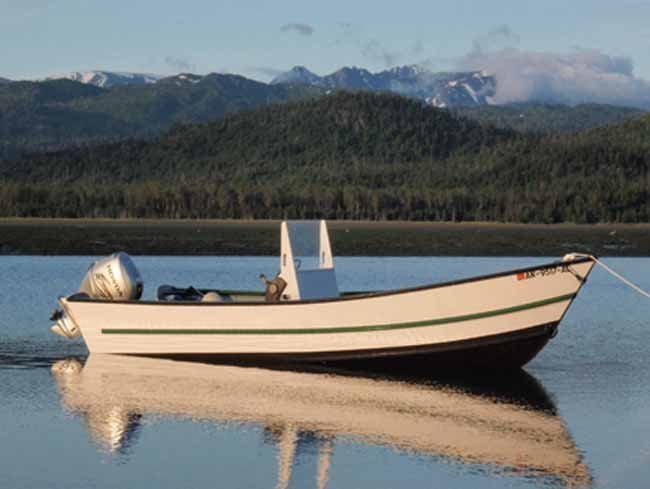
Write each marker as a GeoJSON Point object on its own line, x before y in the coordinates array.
{"type": "Point", "coordinates": [216, 237]}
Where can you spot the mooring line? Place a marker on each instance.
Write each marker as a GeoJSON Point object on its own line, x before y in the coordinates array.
{"type": "Point", "coordinates": [612, 272]}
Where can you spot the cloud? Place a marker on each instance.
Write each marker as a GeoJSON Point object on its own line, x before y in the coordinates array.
{"type": "Point", "coordinates": [180, 64]}
{"type": "Point", "coordinates": [298, 28]}
{"type": "Point", "coordinates": [374, 50]}
{"type": "Point", "coordinates": [417, 48]}
{"type": "Point", "coordinates": [498, 38]}
{"type": "Point", "coordinates": [578, 76]}
{"type": "Point", "coordinates": [377, 52]}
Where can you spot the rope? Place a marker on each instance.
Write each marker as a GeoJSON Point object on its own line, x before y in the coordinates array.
{"type": "Point", "coordinates": [615, 274]}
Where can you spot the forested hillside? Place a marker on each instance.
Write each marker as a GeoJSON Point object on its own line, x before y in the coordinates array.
{"type": "Point", "coordinates": [281, 141]}
{"type": "Point", "coordinates": [600, 175]}
{"type": "Point", "coordinates": [346, 155]}
{"type": "Point", "coordinates": [55, 114]}
{"type": "Point", "coordinates": [59, 114]}
{"type": "Point", "coordinates": [548, 118]}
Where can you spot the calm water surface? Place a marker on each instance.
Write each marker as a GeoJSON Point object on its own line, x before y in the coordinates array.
{"type": "Point", "coordinates": [578, 417]}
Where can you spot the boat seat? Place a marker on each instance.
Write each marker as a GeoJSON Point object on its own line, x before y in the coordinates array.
{"type": "Point", "coordinates": [306, 263]}
{"type": "Point", "coordinates": [171, 293]}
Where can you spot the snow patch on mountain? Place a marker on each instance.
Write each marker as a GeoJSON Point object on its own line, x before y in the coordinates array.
{"type": "Point", "coordinates": [182, 79]}
{"type": "Point", "coordinates": [466, 89]}
{"type": "Point", "coordinates": [298, 75]}
{"type": "Point", "coordinates": [107, 79]}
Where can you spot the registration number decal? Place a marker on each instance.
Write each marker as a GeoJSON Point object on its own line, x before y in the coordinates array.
{"type": "Point", "coordinates": [542, 272]}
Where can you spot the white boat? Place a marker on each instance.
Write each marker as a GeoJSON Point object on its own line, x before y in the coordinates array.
{"type": "Point", "coordinates": [499, 320]}
{"type": "Point", "coordinates": [512, 429]}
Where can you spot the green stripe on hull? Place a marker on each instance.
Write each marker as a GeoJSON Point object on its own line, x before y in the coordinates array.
{"type": "Point", "coordinates": [344, 329]}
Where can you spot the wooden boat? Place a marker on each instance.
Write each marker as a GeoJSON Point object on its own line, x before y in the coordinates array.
{"type": "Point", "coordinates": [523, 437]}
{"type": "Point", "coordinates": [498, 321]}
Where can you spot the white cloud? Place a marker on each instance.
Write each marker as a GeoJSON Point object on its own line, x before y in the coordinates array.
{"type": "Point", "coordinates": [579, 76]}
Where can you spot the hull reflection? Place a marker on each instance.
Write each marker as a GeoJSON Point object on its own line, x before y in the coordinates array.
{"type": "Point", "coordinates": [517, 432]}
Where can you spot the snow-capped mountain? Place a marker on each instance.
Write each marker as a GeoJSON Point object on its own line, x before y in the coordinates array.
{"type": "Point", "coordinates": [353, 78]}
{"type": "Point", "coordinates": [107, 79]}
{"type": "Point", "coordinates": [298, 75]}
{"type": "Point", "coordinates": [182, 79]}
{"type": "Point", "coordinates": [463, 89]}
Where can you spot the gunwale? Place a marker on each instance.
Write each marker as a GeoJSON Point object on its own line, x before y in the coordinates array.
{"type": "Point", "coordinates": [343, 297]}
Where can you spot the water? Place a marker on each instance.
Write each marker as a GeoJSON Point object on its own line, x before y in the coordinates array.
{"type": "Point", "coordinates": [580, 417]}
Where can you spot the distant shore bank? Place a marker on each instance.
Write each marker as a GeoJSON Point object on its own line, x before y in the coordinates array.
{"type": "Point", "coordinates": [369, 238]}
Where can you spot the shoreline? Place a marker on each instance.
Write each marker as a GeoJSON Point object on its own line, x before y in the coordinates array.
{"type": "Point", "coordinates": [349, 238]}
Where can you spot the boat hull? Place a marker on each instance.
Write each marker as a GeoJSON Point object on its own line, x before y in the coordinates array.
{"type": "Point", "coordinates": [498, 321]}
{"type": "Point", "coordinates": [504, 351]}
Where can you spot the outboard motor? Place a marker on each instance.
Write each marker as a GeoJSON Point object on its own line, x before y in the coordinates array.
{"type": "Point", "coordinates": [112, 278]}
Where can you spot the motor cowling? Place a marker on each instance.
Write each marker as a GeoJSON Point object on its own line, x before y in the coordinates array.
{"type": "Point", "coordinates": [113, 278]}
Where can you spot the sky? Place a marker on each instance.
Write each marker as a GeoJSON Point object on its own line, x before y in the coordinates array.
{"type": "Point", "coordinates": [257, 39]}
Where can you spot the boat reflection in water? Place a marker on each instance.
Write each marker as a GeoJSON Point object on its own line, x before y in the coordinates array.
{"type": "Point", "coordinates": [515, 431]}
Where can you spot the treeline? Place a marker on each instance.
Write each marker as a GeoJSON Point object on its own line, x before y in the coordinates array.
{"type": "Point", "coordinates": [345, 156]}
{"type": "Point", "coordinates": [582, 201]}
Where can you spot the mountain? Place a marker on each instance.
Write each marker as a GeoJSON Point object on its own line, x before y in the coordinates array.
{"type": "Point", "coordinates": [298, 75]}
{"type": "Point", "coordinates": [547, 118]}
{"type": "Point", "coordinates": [53, 114]}
{"type": "Point", "coordinates": [182, 79]}
{"type": "Point", "coordinates": [474, 89]}
{"type": "Point", "coordinates": [343, 127]}
{"type": "Point", "coordinates": [598, 175]}
{"type": "Point", "coordinates": [462, 89]}
{"type": "Point", "coordinates": [107, 79]}
{"type": "Point", "coordinates": [187, 98]}
{"type": "Point", "coordinates": [4, 80]}
{"type": "Point", "coordinates": [345, 156]}
{"type": "Point", "coordinates": [345, 78]}
{"type": "Point", "coordinates": [351, 79]}
{"type": "Point", "coordinates": [40, 116]}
